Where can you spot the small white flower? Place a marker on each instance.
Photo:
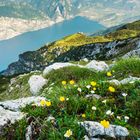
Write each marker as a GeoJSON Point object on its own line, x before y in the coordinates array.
{"type": "Point", "coordinates": [108, 112]}
{"type": "Point", "coordinates": [112, 113]}
{"type": "Point", "coordinates": [94, 108]}
{"type": "Point", "coordinates": [88, 86]}
{"type": "Point", "coordinates": [79, 89]}
{"type": "Point", "coordinates": [124, 94]}
{"type": "Point", "coordinates": [118, 117]}
{"type": "Point", "coordinates": [92, 91]}
{"type": "Point", "coordinates": [67, 99]}
{"type": "Point", "coordinates": [104, 101]}
{"type": "Point", "coordinates": [126, 118]}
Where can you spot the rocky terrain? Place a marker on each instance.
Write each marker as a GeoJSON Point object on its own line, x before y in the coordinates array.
{"type": "Point", "coordinates": [79, 87]}
{"type": "Point", "coordinates": [39, 14]}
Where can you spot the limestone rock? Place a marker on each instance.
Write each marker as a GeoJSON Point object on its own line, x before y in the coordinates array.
{"type": "Point", "coordinates": [36, 83]}
{"type": "Point", "coordinates": [125, 81]}
{"type": "Point", "coordinates": [97, 65]}
{"type": "Point", "coordinates": [96, 129]}
{"type": "Point", "coordinates": [7, 115]}
{"type": "Point", "coordinates": [56, 66]}
{"type": "Point", "coordinates": [15, 105]}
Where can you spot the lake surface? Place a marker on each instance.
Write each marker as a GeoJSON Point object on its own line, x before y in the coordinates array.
{"type": "Point", "coordinates": [30, 41]}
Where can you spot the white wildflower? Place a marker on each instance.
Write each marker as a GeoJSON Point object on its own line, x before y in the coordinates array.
{"type": "Point", "coordinates": [94, 108]}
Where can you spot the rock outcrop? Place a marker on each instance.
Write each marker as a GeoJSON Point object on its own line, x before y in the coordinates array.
{"type": "Point", "coordinates": [36, 83]}
{"type": "Point", "coordinates": [10, 110]}
{"type": "Point", "coordinates": [96, 129]}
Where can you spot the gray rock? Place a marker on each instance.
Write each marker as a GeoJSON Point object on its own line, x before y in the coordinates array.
{"type": "Point", "coordinates": [97, 65]}
{"type": "Point", "coordinates": [124, 81]}
{"type": "Point", "coordinates": [15, 105]}
{"type": "Point", "coordinates": [94, 129]}
{"type": "Point", "coordinates": [56, 66]}
{"type": "Point", "coordinates": [36, 83]}
{"type": "Point", "coordinates": [7, 115]}
{"type": "Point", "coordinates": [121, 131]}
{"type": "Point", "coordinates": [93, 96]}
{"type": "Point", "coordinates": [28, 135]}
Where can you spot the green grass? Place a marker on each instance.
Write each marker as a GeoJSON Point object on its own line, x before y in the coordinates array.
{"type": "Point", "coordinates": [68, 113]}
{"type": "Point", "coordinates": [127, 67]}
{"type": "Point", "coordinates": [20, 87]}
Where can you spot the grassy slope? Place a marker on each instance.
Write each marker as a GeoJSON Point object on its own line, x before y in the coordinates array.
{"type": "Point", "coordinates": [69, 112]}
{"type": "Point", "coordinates": [76, 40]}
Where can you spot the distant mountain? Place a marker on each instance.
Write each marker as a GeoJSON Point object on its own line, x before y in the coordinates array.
{"type": "Point", "coordinates": [122, 42]}
{"type": "Point", "coordinates": [106, 12]}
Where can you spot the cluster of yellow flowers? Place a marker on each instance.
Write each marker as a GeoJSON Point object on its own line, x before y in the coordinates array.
{"type": "Point", "coordinates": [45, 103]}
{"type": "Point", "coordinates": [48, 103]}
{"type": "Point", "coordinates": [71, 82]}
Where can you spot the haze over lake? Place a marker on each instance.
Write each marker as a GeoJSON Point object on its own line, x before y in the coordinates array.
{"type": "Point", "coordinates": [11, 48]}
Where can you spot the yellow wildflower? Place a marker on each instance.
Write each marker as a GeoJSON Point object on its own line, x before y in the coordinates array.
{"type": "Point", "coordinates": [111, 89]}
{"type": "Point", "coordinates": [83, 115]}
{"type": "Point", "coordinates": [72, 82]}
{"type": "Point", "coordinates": [42, 102]}
{"type": "Point", "coordinates": [109, 74]}
{"type": "Point", "coordinates": [93, 83]}
{"type": "Point", "coordinates": [48, 103]}
{"type": "Point", "coordinates": [62, 99]}
{"type": "Point", "coordinates": [64, 83]}
{"type": "Point", "coordinates": [94, 88]}
{"type": "Point", "coordinates": [68, 133]}
{"type": "Point", "coordinates": [105, 124]}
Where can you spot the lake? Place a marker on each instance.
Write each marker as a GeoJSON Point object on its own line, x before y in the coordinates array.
{"type": "Point", "coordinates": [30, 41]}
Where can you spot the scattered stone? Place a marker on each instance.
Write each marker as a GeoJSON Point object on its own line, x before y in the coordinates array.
{"type": "Point", "coordinates": [85, 60]}
{"type": "Point", "coordinates": [115, 82]}
{"type": "Point", "coordinates": [56, 66]}
{"type": "Point", "coordinates": [96, 129]}
{"type": "Point", "coordinates": [28, 135]}
{"type": "Point", "coordinates": [15, 105]}
{"type": "Point", "coordinates": [7, 116]}
{"type": "Point", "coordinates": [36, 83]}
{"type": "Point", "coordinates": [97, 65]}
{"type": "Point", "coordinates": [125, 81]}
{"type": "Point", "coordinates": [93, 96]}
{"type": "Point", "coordinates": [128, 80]}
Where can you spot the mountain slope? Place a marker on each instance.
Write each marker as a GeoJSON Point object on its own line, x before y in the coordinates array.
{"type": "Point", "coordinates": [124, 42]}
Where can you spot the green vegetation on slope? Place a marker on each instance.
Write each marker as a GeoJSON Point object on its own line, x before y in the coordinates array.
{"type": "Point", "coordinates": [75, 107]}
{"type": "Point", "coordinates": [52, 50]}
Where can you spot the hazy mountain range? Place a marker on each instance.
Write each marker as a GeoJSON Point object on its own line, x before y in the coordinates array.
{"type": "Point", "coordinates": [18, 16]}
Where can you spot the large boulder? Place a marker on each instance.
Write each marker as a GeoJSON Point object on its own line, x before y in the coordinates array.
{"type": "Point", "coordinates": [36, 83]}
{"type": "Point", "coordinates": [15, 105]}
{"type": "Point", "coordinates": [7, 116]}
{"type": "Point", "coordinates": [56, 66]}
{"type": "Point", "coordinates": [96, 129]}
{"type": "Point", "coordinates": [97, 65]}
